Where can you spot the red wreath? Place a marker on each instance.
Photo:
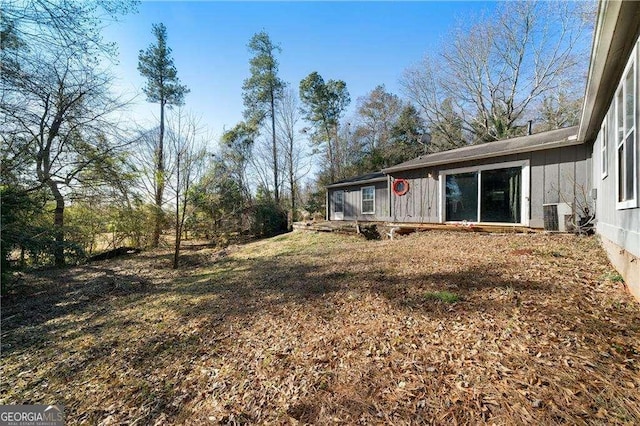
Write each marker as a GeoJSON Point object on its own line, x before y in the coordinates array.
{"type": "Point", "coordinates": [400, 186]}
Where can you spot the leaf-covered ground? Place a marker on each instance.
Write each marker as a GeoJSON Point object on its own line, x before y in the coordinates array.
{"type": "Point", "coordinates": [431, 328]}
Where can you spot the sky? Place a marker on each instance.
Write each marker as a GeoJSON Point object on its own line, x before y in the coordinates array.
{"type": "Point", "coordinates": [366, 44]}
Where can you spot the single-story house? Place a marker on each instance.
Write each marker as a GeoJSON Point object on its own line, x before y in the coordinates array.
{"type": "Point", "coordinates": [504, 182]}
{"type": "Point", "coordinates": [538, 180]}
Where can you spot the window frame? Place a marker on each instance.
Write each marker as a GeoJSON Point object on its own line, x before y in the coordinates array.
{"type": "Point", "coordinates": [373, 200]}
{"type": "Point", "coordinates": [524, 190]}
{"type": "Point", "coordinates": [621, 137]}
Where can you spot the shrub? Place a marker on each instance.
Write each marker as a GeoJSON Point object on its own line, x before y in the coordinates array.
{"type": "Point", "coordinates": [268, 219]}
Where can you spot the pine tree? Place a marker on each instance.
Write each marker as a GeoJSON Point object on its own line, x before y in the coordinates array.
{"type": "Point", "coordinates": [262, 91]}
{"type": "Point", "coordinates": [163, 87]}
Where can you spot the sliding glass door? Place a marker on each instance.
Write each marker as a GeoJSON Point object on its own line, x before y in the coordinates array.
{"type": "Point", "coordinates": [484, 195]}
{"type": "Point", "coordinates": [462, 197]}
{"type": "Point", "coordinates": [500, 195]}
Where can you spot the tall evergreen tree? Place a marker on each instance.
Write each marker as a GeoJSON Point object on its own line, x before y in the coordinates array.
{"type": "Point", "coordinates": [163, 87]}
{"type": "Point", "coordinates": [322, 106]}
{"type": "Point", "coordinates": [262, 90]}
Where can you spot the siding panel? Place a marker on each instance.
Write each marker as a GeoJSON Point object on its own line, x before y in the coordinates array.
{"type": "Point", "coordinates": [567, 176]}
{"type": "Point", "coordinates": [551, 176]}
{"type": "Point", "coordinates": [536, 193]}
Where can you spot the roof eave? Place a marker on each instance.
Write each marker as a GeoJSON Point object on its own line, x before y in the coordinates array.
{"type": "Point", "coordinates": [356, 183]}
{"type": "Point", "coordinates": [616, 31]}
{"type": "Point", "coordinates": [551, 145]}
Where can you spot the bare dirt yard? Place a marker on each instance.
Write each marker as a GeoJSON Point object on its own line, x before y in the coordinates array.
{"type": "Point", "coordinates": [431, 328]}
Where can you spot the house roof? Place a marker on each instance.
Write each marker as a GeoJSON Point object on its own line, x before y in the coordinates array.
{"type": "Point", "coordinates": [617, 29]}
{"type": "Point", "coordinates": [535, 142]}
{"type": "Point", "coordinates": [368, 178]}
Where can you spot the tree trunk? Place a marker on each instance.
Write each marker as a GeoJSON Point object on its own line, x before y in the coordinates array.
{"type": "Point", "coordinates": [58, 224]}
{"type": "Point", "coordinates": [332, 170]}
{"type": "Point", "coordinates": [22, 257]}
{"type": "Point", "coordinates": [292, 180]}
{"type": "Point", "coordinates": [176, 251]}
{"type": "Point", "coordinates": [293, 201]}
{"type": "Point", "coordinates": [276, 192]}
{"type": "Point", "coordinates": [159, 180]}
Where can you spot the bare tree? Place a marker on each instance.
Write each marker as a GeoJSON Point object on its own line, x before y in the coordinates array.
{"type": "Point", "coordinates": [292, 149]}
{"type": "Point", "coordinates": [187, 155]}
{"type": "Point", "coordinates": [146, 142]}
{"type": "Point", "coordinates": [377, 114]}
{"type": "Point", "coordinates": [559, 110]}
{"type": "Point", "coordinates": [261, 163]}
{"type": "Point", "coordinates": [495, 73]}
{"type": "Point", "coordinates": [58, 106]}
{"type": "Point", "coordinates": [37, 26]}
{"type": "Point", "coordinates": [55, 101]}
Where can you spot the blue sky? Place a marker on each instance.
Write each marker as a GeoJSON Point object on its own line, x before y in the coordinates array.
{"type": "Point", "coordinates": [363, 43]}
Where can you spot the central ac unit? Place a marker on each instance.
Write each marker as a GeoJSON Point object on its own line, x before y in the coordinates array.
{"type": "Point", "coordinates": [558, 217]}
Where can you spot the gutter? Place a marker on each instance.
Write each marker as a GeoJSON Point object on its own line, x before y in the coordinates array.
{"type": "Point", "coordinates": [570, 141]}
{"type": "Point", "coordinates": [358, 182]}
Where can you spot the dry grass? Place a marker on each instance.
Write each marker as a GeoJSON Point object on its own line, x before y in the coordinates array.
{"type": "Point", "coordinates": [327, 329]}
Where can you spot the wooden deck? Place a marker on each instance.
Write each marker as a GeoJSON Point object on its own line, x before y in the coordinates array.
{"type": "Point", "coordinates": [389, 229]}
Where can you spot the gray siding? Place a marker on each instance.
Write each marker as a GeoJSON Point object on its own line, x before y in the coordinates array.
{"type": "Point", "coordinates": [556, 175]}
{"type": "Point", "coordinates": [353, 202]}
{"type": "Point", "coordinates": [420, 203]}
{"type": "Point", "coordinates": [621, 226]}
{"type": "Point", "coordinates": [559, 175]}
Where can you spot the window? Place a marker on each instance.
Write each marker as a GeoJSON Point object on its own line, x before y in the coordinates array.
{"type": "Point", "coordinates": [462, 197]}
{"type": "Point", "coordinates": [500, 198]}
{"type": "Point", "coordinates": [368, 194]}
{"type": "Point", "coordinates": [604, 152]}
{"type": "Point", "coordinates": [626, 139]}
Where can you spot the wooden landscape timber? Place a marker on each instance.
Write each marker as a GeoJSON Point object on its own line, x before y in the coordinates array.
{"type": "Point", "coordinates": [390, 229]}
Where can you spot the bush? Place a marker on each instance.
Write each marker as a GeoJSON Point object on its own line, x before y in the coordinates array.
{"type": "Point", "coordinates": [268, 219]}
{"type": "Point", "coordinates": [26, 226]}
